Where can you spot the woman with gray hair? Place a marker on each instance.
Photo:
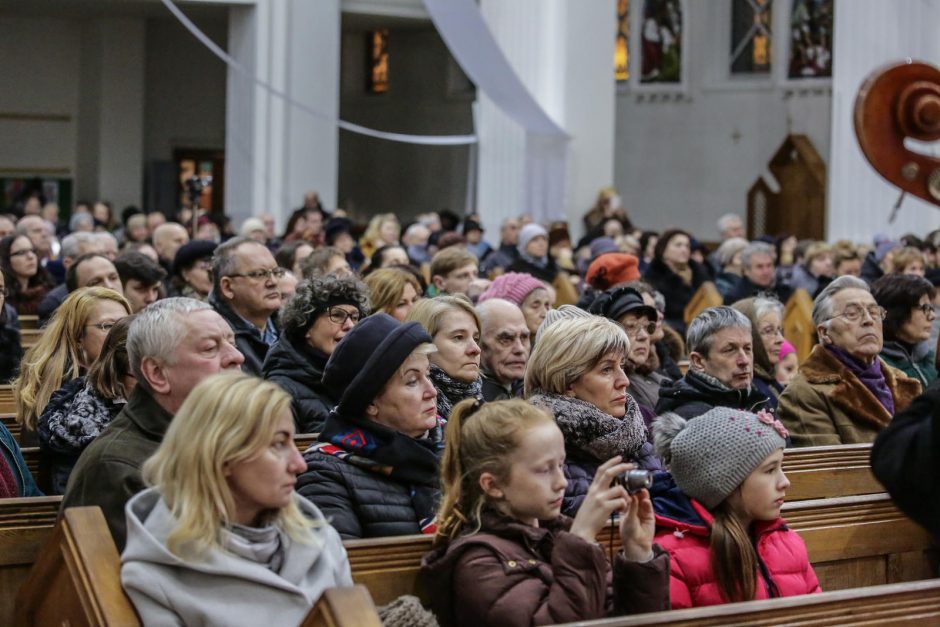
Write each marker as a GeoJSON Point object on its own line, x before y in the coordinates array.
{"type": "Point", "coordinates": [766, 316]}
{"type": "Point", "coordinates": [321, 312]}
{"type": "Point", "coordinates": [844, 393]}
{"type": "Point", "coordinates": [576, 374]}
{"type": "Point", "coordinates": [728, 256]}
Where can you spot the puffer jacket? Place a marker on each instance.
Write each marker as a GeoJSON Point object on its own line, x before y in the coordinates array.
{"type": "Point", "coordinates": [226, 586]}
{"type": "Point", "coordinates": [917, 362]}
{"type": "Point", "coordinates": [74, 417]}
{"type": "Point", "coordinates": [683, 529]}
{"type": "Point", "coordinates": [299, 371]}
{"type": "Point", "coordinates": [696, 393]}
{"type": "Point", "coordinates": [510, 573]}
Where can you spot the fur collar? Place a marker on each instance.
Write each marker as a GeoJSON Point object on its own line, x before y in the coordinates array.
{"type": "Point", "coordinates": [850, 395]}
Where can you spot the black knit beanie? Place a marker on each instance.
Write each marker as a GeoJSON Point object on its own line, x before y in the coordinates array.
{"type": "Point", "coordinates": [367, 357]}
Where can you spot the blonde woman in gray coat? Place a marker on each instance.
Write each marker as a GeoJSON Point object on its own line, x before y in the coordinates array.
{"type": "Point", "coordinates": [221, 538]}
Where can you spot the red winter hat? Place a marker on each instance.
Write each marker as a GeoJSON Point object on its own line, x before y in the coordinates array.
{"type": "Point", "coordinates": [612, 269]}
{"type": "Point", "coordinates": [512, 286]}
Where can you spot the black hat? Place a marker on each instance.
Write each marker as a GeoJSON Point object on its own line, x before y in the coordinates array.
{"type": "Point", "coordinates": [471, 225]}
{"type": "Point", "coordinates": [618, 302]}
{"type": "Point", "coordinates": [188, 254]}
{"type": "Point", "coordinates": [336, 227]}
{"type": "Point", "coordinates": [367, 357]}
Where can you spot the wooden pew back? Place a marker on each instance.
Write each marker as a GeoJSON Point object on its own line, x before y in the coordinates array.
{"type": "Point", "coordinates": [9, 421]}
{"type": "Point", "coordinates": [29, 322]}
{"type": "Point", "coordinates": [706, 296]}
{"type": "Point", "coordinates": [7, 402]}
{"type": "Point", "coordinates": [798, 325]}
{"type": "Point", "coordinates": [818, 472]}
{"type": "Point", "coordinates": [25, 526]}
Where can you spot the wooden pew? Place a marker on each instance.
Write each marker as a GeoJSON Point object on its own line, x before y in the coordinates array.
{"type": "Point", "coordinates": [913, 603]}
{"type": "Point", "coordinates": [77, 580]}
{"type": "Point", "coordinates": [852, 542]}
{"type": "Point", "coordinates": [9, 421]}
{"type": "Point", "coordinates": [29, 322]}
{"type": "Point", "coordinates": [29, 337]}
{"type": "Point", "coordinates": [7, 402]}
{"type": "Point", "coordinates": [706, 296]}
{"type": "Point", "coordinates": [798, 325]}
{"type": "Point", "coordinates": [25, 526]}
{"type": "Point", "coordinates": [818, 472]}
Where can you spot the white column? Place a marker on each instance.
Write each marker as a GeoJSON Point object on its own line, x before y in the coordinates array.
{"type": "Point", "coordinates": [274, 150]}
{"type": "Point", "coordinates": [869, 34]}
{"type": "Point", "coordinates": [563, 52]}
{"type": "Point", "coordinates": [111, 112]}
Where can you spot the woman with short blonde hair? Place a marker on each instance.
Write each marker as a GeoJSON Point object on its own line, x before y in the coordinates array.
{"type": "Point", "coordinates": [454, 327]}
{"type": "Point", "coordinates": [383, 229]}
{"type": "Point", "coordinates": [222, 514]}
{"type": "Point", "coordinates": [576, 374]}
{"type": "Point", "coordinates": [393, 291]}
{"type": "Point", "coordinates": [68, 347]}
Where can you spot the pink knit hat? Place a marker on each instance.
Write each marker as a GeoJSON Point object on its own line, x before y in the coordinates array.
{"type": "Point", "coordinates": [785, 349]}
{"type": "Point", "coordinates": [512, 286]}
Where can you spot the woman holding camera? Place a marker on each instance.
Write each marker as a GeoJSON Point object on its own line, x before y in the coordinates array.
{"type": "Point", "coordinates": [505, 555]}
{"type": "Point", "coordinates": [576, 374]}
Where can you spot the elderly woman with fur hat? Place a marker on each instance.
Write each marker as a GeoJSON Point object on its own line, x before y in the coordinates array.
{"type": "Point", "coordinates": [375, 471]}
{"type": "Point", "coordinates": [575, 373]}
{"type": "Point", "coordinates": [844, 393]}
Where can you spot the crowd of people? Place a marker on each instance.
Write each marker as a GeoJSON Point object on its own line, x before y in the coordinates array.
{"type": "Point", "coordinates": [490, 395]}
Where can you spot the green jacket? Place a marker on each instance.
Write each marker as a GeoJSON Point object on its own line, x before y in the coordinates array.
{"type": "Point", "coordinates": [918, 364]}
{"type": "Point", "coordinates": [108, 472]}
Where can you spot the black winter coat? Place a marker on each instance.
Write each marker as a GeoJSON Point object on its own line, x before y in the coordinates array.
{"type": "Point", "coordinates": [547, 274]}
{"type": "Point", "coordinates": [746, 289]}
{"type": "Point", "coordinates": [11, 350]}
{"type": "Point", "coordinates": [696, 393]}
{"type": "Point", "coordinates": [247, 337]}
{"type": "Point", "coordinates": [299, 370]}
{"type": "Point", "coordinates": [674, 289]}
{"type": "Point", "coordinates": [357, 502]}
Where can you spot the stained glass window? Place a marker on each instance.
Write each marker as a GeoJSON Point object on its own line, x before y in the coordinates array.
{"type": "Point", "coordinates": [622, 49]}
{"type": "Point", "coordinates": [811, 39]}
{"type": "Point", "coordinates": [751, 36]}
{"type": "Point", "coordinates": [661, 38]}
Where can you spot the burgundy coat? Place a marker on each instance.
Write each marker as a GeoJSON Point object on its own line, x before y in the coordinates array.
{"type": "Point", "coordinates": [784, 568]}
{"type": "Point", "coordinates": [510, 573]}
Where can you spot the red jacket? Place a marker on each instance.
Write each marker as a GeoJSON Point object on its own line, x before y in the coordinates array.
{"type": "Point", "coordinates": [683, 529]}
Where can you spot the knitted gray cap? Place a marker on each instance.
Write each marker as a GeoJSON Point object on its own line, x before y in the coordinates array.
{"type": "Point", "coordinates": [711, 455]}
{"type": "Point", "coordinates": [565, 312]}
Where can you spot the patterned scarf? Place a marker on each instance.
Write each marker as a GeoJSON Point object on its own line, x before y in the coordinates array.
{"type": "Point", "coordinates": [413, 462]}
{"type": "Point", "coordinates": [590, 432]}
{"type": "Point", "coordinates": [450, 391]}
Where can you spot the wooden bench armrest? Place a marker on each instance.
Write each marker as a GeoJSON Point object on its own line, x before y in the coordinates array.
{"type": "Point", "coordinates": [343, 607]}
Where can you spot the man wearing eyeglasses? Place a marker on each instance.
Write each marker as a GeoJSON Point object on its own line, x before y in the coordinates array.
{"type": "Point", "coordinates": [245, 292]}
{"type": "Point", "coordinates": [844, 393]}
{"type": "Point", "coordinates": [504, 340]}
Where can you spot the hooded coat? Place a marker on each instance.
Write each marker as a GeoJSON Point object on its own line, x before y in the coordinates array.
{"type": "Point", "coordinates": [299, 370]}
{"type": "Point", "coordinates": [683, 529]}
{"type": "Point", "coordinates": [827, 404]}
{"type": "Point", "coordinates": [222, 587]}
{"type": "Point", "coordinates": [696, 393]}
{"type": "Point", "coordinates": [510, 573]}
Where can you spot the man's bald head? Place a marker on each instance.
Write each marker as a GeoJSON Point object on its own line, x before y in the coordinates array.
{"type": "Point", "coordinates": [504, 339]}
{"type": "Point", "coordinates": [167, 239]}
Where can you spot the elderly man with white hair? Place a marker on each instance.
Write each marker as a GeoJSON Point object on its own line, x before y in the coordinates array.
{"type": "Point", "coordinates": [504, 342]}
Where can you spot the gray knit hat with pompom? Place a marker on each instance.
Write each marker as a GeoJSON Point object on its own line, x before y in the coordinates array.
{"type": "Point", "coordinates": [711, 455]}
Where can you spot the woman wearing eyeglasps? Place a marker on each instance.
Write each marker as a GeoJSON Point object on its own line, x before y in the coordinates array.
{"type": "Point", "coordinates": [27, 282]}
{"type": "Point", "coordinates": [844, 394]}
{"type": "Point", "coordinates": [314, 320]}
{"type": "Point", "coordinates": [908, 299]}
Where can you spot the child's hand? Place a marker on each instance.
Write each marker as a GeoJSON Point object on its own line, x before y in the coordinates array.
{"type": "Point", "coordinates": [601, 501]}
{"type": "Point", "coordinates": [638, 527]}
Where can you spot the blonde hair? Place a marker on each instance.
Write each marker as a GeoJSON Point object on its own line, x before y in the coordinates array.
{"type": "Point", "coordinates": [386, 287]}
{"type": "Point", "coordinates": [906, 256]}
{"type": "Point", "coordinates": [570, 348]}
{"type": "Point", "coordinates": [479, 438]}
{"type": "Point", "coordinates": [56, 357]}
{"type": "Point", "coordinates": [375, 224]}
{"type": "Point", "coordinates": [430, 312]}
{"type": "Point", "coordinates": [227, 419]}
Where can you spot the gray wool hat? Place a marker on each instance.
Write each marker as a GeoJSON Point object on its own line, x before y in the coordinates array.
{"type": "Point", "coordinates": [711, 455]}
{"type": "Point", "coordinates": [565, 312]}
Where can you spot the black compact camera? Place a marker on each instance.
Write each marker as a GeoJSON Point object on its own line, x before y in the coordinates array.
{"type": "Point", "coordinates": [634, 480]}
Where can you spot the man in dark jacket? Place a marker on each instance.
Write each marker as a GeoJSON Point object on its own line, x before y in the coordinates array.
{"type": "Point", "coordinates": [245, 292]}
{"type": "Point", "coordinates": [906, 459]}
{"type": "Point", "coordinates": [720, 367]}
{"type": "Point", "coordinates": [758, 275]}
{"type": "Point", "coordinates": [168, 349]}
{"type": "Point", "coordinates": [504, 340]}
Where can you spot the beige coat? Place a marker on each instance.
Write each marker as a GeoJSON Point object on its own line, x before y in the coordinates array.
{"type": "Point", "coordinates": [826, 403]}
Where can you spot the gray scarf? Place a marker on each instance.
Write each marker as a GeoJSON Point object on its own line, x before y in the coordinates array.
{"type": "Point", "coordinates": [450, 391]}
{"type": "Point", "coordinates": [589, 431]}
{"type": "Point", "coordinates": [261, 545]}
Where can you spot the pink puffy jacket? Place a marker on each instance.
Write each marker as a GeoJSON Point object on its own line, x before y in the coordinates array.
{"type": "Point", "coordinates": [784, 566]}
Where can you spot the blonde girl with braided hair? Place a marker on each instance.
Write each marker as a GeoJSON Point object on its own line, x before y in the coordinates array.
{"type": "Point", "coordinates": [505, 555]}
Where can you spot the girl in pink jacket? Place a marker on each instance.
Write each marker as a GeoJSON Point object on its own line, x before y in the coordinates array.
{"type": "Point", "coordinates": [718, 515]}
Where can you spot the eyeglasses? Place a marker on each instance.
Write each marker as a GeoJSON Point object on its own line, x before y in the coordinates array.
{"type": "Point", "coordinates": [339, 316]}
{"type": "Point", "coordinates": [927, 308]}
{"type": "Point", "coordinates": [258, 275]}
{"type": "Point", "coordinates": [770, 331]}
{"type": "Point", "coordinates": [102, 326]}
{"type": "Point", "coordinates": [854, 313]}
{"type": "Point", "coordinates": [633, 329]}
{"type": "Point", "coordinates": [25, 251]}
